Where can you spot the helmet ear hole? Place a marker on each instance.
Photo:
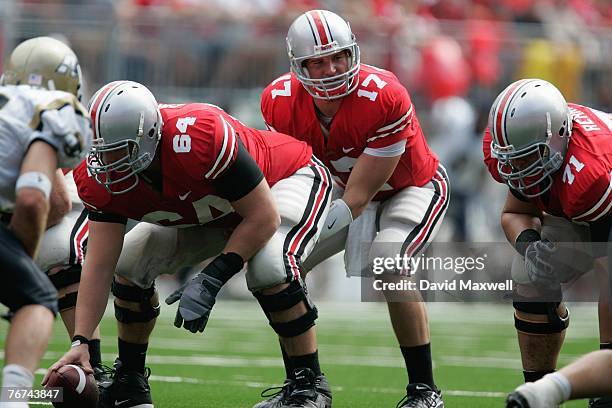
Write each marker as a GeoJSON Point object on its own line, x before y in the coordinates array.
{"type": "Point", "coordinates": [562, 131]}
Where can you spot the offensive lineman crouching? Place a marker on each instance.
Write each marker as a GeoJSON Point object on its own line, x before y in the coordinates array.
{"type": "Point", "coordinates": [184, 167]}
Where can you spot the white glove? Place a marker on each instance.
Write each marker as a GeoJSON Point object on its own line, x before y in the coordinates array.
{"type": "Point", "coordinates": [338, 217]}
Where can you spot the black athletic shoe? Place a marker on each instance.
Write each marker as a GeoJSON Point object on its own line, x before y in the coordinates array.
{"type": "Point", "coordinates": [602, 402]}
{"type": "Point", "coordinates": [102, 374]}
{"type": "Point", "coordinates": [309, 391]}
{"type": "Point", "coordinates": [128, 389]}
{"type": "Point", "coordinates": [275, 395]}
{"type": "Point", "coordinates": [421, 396]}
{"type": "Point", "coordinates": [517, 400]}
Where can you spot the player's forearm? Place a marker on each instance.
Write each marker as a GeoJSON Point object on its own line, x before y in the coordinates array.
{"type": "Point", "coordinates": [252, 234]}
{"type": "Point", "coordinates": [515, 223]}
{"type": "Point", "coordinates": [59, 200]}
{"type": "Point", "coordinates": [367, 178]}
{"type": "Point", "coordinates": [357, 199]}
{"type": "Point", "coordinates": [29, 219]}
{"type": "Point", "coordinates": [94, 289]}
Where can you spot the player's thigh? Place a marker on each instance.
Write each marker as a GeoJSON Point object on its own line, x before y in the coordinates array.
{"type": "Point", "coordinates": [325, 249]}
{"type": "Point", "coordinates": [410, 220]}
{"type": "Point", "coordinates": [64, 243]}
{"type": "Point", "coordinates": [24, 283]}
{"type": "Point", "coordinates": [303, 201]}
{"type": "Point", "coordinates": [151, 250]}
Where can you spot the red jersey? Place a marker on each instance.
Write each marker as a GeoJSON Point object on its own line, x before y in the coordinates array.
{"type": "Point", "coordinates": [581, 189]}
{"type": "Point", "coordinates": [199, 142]}
{"type": "Point", "coordinates": [376, 116]}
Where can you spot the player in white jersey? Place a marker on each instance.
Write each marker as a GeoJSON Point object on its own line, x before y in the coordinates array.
{"type": "Point", "coordinates": [42, 129]}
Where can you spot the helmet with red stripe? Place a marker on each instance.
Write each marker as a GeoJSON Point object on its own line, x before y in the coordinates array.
{"type": "Point", "coordinates": [320, 33]}
{"type": "Point", "coordinates": [531, 125]}
{"type": "Point", "coordinates": [127, 126]}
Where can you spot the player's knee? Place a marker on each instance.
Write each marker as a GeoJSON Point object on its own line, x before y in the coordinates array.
{"type": "Point", "coordinates": [66, 282]}
{"type": "Point", "coordinates": [285, 300]}
{"type": "Point", "coordinates": [540, 317]}
{"type": "Point", "coordinates": [134, 304]}
{"type": "Point", "coordinates": [266, 269]}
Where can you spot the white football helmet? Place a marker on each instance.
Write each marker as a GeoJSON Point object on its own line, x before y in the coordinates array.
{"type": "Point", "coordinates": [531, 126]}
{"type": "Point", "coordinates": [319, 33]}
{"type": "Point", "coordinates": [124, 116]}
{"type": "Point", "coordinates": [44, 62]}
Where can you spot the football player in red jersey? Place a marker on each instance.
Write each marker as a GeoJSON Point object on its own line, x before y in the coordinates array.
{"type": "Point", "coordinates": [390, 189]}
{"type": "Point", "coordinates": [556, 159]}
{"type": "Point", "coordinates": [192, 167]}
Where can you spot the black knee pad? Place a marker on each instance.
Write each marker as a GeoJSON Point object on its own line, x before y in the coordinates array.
{"type": "Point", "coordinates": [283, 300]}
{"type": "Point", "coordinates": [66, 277]}
{"type": "Point", "coordinates": [554, 324]}
{"type": "Point", "coordinates": [146, 313]}
{"type": "Point", "coordinates": [68, 301]}
{"type": "Point", "coordinates": [24, 283]}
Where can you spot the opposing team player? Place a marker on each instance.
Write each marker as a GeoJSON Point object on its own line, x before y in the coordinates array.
{"type": "Point", "coordinates": [390, 190]}
{"type": "Point", "coordinates": [556, 159]}
{"type": "Point", "coordinates": [63, 244]}
{"type": "Point", "coordinates": [192, 167]}
{"type": "Point", "coordinates": [42, 128]}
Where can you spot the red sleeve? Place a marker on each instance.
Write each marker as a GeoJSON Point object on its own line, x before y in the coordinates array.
{"type": "Point", "coordinates": [490, 162]}
{"type": "Point", "coordinates": [281, 87]}
{"type": "Point", "coordinates": [394, 119]}
{"type": "Point", "coordinates": [213, 146]}
{"type": "Point", "coordinates": [93, 195]}
{"type": "Point", "coordinates": [592, 200]}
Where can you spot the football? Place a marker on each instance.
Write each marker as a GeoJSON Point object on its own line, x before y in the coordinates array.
{"type": "Point", "coordinates": [80, 389]}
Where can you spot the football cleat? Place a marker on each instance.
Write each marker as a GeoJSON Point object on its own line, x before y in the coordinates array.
{"type": "Point", "coordinates": [420, 395]}
{"type": "Point", "coordinates": [128, 389]}
{"type": "Point", "coordinates": [102, 374]}
{"type": "Point", "coordinates": [275, 395]}
{"type": "Point", "coordinates": [603, 402]}
{"type": "Point", "coordinates": [309, 391]}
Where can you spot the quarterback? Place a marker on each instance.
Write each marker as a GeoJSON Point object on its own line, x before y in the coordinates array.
{"type": "Point", "coordinates": [390, 191]}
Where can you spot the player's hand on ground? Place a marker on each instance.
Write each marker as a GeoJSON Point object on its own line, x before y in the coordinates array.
{"type": "Point", "coordinates": [78, 355]}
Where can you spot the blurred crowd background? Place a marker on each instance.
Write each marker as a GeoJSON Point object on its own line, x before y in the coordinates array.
{"type": "Point", "coordinates": [453, 56]}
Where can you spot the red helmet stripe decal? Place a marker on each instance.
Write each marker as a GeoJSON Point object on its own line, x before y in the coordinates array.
{"type": "Point", "coordinates": [322, 36]}
{"type": "Point", "coordinates": [500, 116]}
{"type": "Point", "coordinates": [93, 112]}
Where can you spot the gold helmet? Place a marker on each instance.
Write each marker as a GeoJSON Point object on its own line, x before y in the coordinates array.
{"type": "Point", "coordinates": [44, 62]}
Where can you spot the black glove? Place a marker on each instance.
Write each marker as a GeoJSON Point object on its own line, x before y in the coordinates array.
{"type": "Point", "coordinates": [197, 297]}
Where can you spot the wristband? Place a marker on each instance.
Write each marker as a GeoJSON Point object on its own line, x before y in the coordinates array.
{"type": "Point", "coordinates": [525, 238]}
{"type": "Point", "coordinates": [77, 340]}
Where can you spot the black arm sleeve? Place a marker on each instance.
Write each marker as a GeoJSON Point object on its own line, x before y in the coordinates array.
{"type": "Point", "coordinates": [240, 178]}
{"type": "Point", "coordinates": [107, 217]}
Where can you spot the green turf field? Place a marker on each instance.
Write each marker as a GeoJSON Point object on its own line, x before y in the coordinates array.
{"type": "Point", "coordinates": [476, 359]}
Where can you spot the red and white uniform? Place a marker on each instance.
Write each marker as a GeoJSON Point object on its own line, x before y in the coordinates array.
{"type": "Point", "coordinates": [191, 164]}
{"type": "Point", "coordinates": [199, 142]}
{"type": "Point", "coordinates": [377, 115]}
{"type": "Point", "coordinates": [581, 189]}
{"type": "Point", "coordinates": [378, 119]}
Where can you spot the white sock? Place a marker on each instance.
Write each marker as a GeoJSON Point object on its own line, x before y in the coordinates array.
{"type": "Point", "coordinates": [15, 377]}
{"type": "Point", "coordinates": [558, 387]}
